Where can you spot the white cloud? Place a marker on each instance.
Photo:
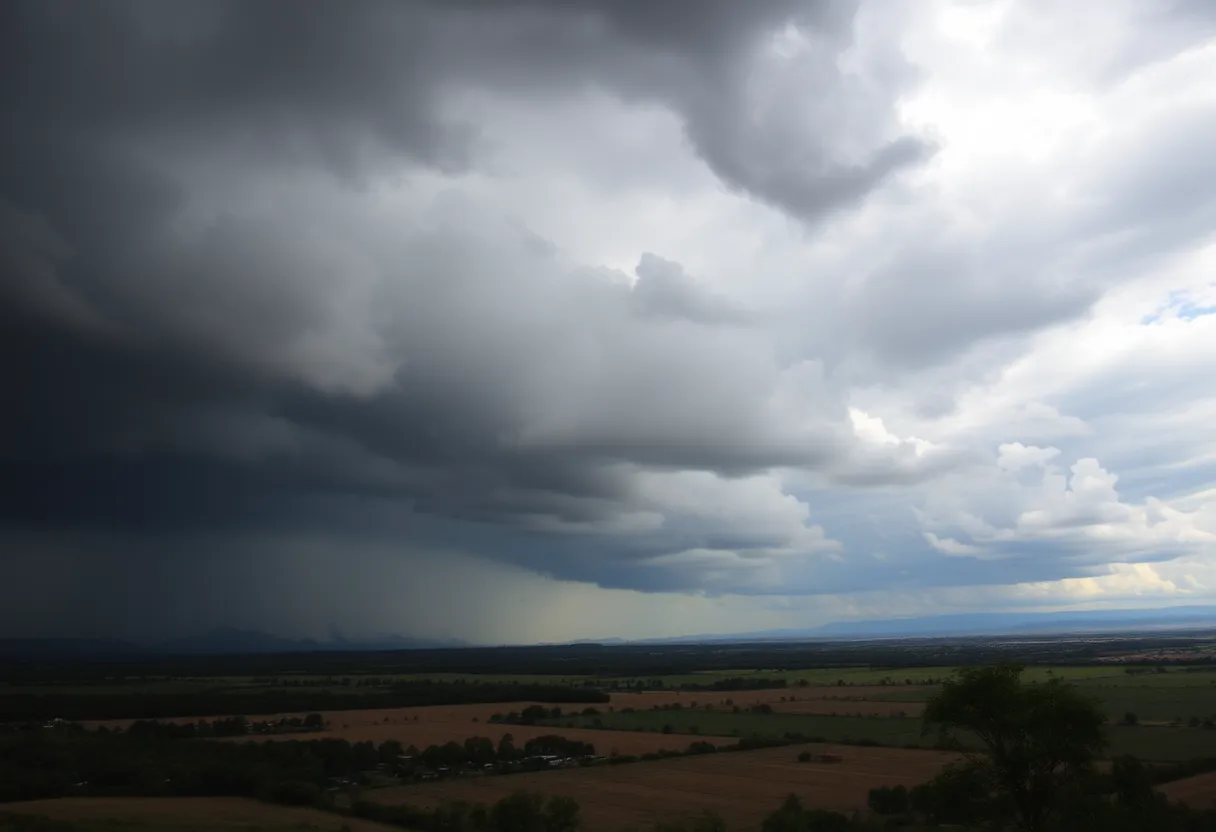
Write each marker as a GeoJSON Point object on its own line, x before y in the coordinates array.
{"type": "Point", "coordinates": [1015, 456]}
{"type": "Point", "coordinates": [950, 546]}
{"type": "Point", "coordinates": [1077, 510]}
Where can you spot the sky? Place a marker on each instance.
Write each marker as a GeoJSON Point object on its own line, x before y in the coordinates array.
{"type": "Point", "coordinates": [531, 320]}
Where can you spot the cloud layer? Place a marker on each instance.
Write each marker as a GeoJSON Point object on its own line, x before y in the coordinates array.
{"type": "Point", "coordinates": [789, 310]}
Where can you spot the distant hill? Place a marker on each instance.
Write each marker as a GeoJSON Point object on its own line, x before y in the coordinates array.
{"type": "Point", "coordinates": [251, 642]}
{"type": "Point", "coordinates": [985, 624]}
{"type": "Point", "coordinates": [220, 642]}
{"type": "Point", "coordinates": [67, 648]}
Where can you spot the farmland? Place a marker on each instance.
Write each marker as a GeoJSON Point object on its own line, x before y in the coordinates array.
{"type": "Point", "coordinates": [846, 705]}
{"type": "Point", "coordinates": [843, 701]}
{"type": "Point", "coordinates": [1149, 742]}
{"type": "Point", "coordinates": [742, 787]}
{"type": "Point", "coordinates": [1156, 698]}
{"type": "Point", "coordinates": [436, 725]}
{"type": "Point", "coordinates": [1198, 792]}
{"type": "Point", "coordinates": [196, 814]}
{"type": "Point", "coordinates": [881, 731]}
{"type": "Point", "coordinates": [621, 702]}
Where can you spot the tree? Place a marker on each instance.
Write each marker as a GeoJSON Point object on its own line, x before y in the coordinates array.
{"type": "Point", "coordinates": [528, 812]}
{"type": "Point", "coordinates": [519, 812]}
{"type": "Point", "coordinates": [792, 817]}
{"type": "Point", "coordinates": [1132, 784]}
{"type": "Point", "coordinates": [389, 751]}
{"type": "Point", "coordinates": [562, 814]}
{"type": "Point", "coordinates": [889, 800]}
{"type": "Point", "coordinates": [704, 822]}
{"type": "Point", "coordinates": [1036, 737]}
{"type": "Point", "coordinates": [959, 795]}
{"type": "Point", "coordinates": [479, 750]}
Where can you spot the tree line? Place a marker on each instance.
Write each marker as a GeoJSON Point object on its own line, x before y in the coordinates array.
{"type": "Point", "coordinates": [235, 726]}
{"type": "Point", "coordinates": [30, 707]}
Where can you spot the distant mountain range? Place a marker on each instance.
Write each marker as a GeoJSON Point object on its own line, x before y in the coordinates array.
{"type": "Point", "coordinates": [247, 642]}
{"type": "Point", "coordinates": [980, 624]}
{"type": "Point", "coordinates": [225, 641]}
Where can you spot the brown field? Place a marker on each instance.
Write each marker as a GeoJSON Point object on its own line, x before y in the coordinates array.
{"type": "Point", "coordinates": [845, 701]}
{"type": "Point", "coordinates": [439, 724]}
{"type": "Point", "coordinates": [373, 716]}
{"type": "Point", "coordinates": [742, 787]}
{"type": "Point", "coordinates": [432, 725]}
{"type": "Point", "coordinates": [1198, 792]}
{"type": "Point", "coordinates": [849, 707]}
{"type": "Point", "coordinates": [348, 724]}
{"type": "Point", "coordinates": [422, 734]}
{"type": "Point", "coordinates": [219, 813]}
{"type": "Point", "coordinates": [746, 698]}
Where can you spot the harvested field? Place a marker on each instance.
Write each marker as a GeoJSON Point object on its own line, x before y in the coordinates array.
{"type": "Point", "coordinates": [422, 734]}
{"type": "Point", "coordinates": [742, 786]}
{"type": "Point", "coordinates": [850, 708]}
{"type": "Point", "coordinates": [372, 716]}
{"type": "Point", "coordinates": [768, 696]}
{"type": "Point", "coordinates": [1198, 792]}
{"type": "Point", "coordinates": [202, 813]}
{"type": "Point", "coordinates": [441, 723]}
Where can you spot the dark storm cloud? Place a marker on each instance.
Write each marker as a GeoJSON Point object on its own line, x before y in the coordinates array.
{"type": "Point", "coordinates": [341, 84]}
{"type": "Point", "coordinates": [181, 363]}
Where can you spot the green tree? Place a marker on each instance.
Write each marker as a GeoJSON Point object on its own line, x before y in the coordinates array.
{"type": "Point", "coordinates": [958, 795]}
{"type": "Point", "coordinates": [389, 751]}
{"type": "Point", "coordinates": [1036, 738]}
{"type": "Point", "coordinates": [888, 800]}
{"type": "Point", "coordinates": [519, 812]}
{"type": "Point", "coordinates": [562, 814]}
{"type": "Point", "coordinates": [704, 822]}
{"type": "Point", "coordinates": [479, 750]}
{"type": "Point", "coordinates": [1132, 784]}
{"type": "Point", "coordinates": [792, 817]}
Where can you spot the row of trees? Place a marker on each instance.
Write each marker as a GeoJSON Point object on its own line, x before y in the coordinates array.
{"type": "Point", "coordinates": [531, 715]}
{"type": "Point", "coordinates": [482, 751]}
{"type": "Point", "coordinates": [49, 763]}
{"type": "Point", "coordinates": [236, 726]}
{"type": "Point", "coordinates": [519, 812]}
{"type": "Point", "coordinates": [38, 708]}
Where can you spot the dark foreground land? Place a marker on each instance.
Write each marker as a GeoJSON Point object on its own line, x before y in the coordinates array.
{"type": "Point", "coordinates": [635, 735]}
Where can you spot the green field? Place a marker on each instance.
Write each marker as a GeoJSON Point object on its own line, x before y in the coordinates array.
{"type": "Point", "coordinates": [1161, 744]}
{"type": "Point", "coordinates": [1154, 743]}
{"type": "Point", "coordinates": [1154, 703]}
{"type": "Point", "coordinates": [884, 731]}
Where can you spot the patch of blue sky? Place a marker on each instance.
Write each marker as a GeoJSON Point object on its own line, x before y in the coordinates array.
{"type": "Point", "coordinates": [1181, 305]}
{"type": "Point", "coordinates": [1190, 312]}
